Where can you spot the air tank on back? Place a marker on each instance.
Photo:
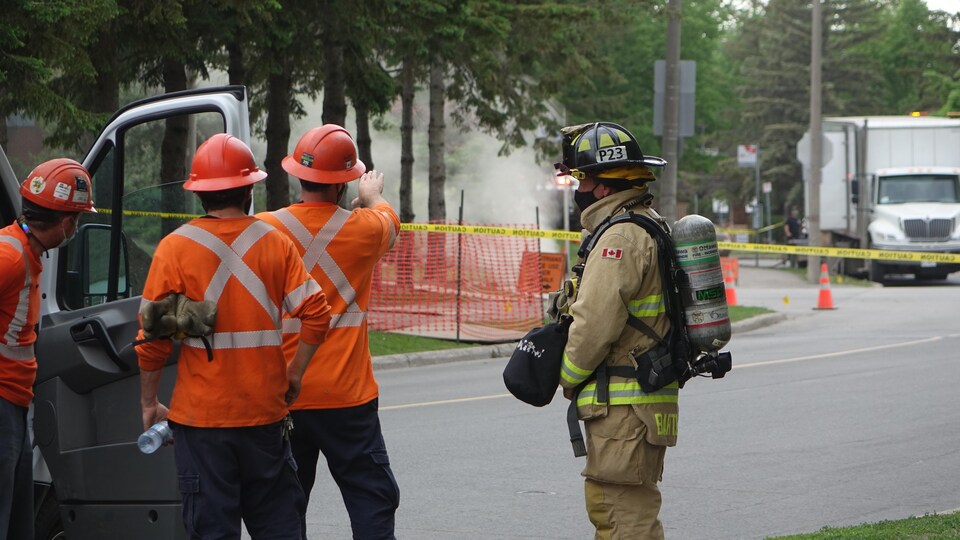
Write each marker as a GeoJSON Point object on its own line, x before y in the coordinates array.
{"type": "Point", "coordinates": [704, 297]}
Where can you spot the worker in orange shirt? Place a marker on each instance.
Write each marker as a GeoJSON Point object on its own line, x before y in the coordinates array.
{"type": "Point", "coordinates": [228, 406]}
{"type": "Point", "coordinates": [337, 412]}
{"type": "Point", "coordinates": [54, 194]}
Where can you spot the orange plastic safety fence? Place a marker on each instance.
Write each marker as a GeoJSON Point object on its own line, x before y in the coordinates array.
{"type": "Point", "coordinates": [445, 285]}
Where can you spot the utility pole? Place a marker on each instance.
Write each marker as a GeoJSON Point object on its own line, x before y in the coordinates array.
{"type": "Point", "coordinates": [671, 114]}
{"type": "Point", "coordinates": [816, 143]}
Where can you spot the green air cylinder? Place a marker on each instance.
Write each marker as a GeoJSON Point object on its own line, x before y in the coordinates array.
{"type": "Point", "coordinates": [703, 296]}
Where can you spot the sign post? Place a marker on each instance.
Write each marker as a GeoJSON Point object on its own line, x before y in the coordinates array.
{"type": "Point", "coordinates": [767, 188]}
{"type": "Point", "coordinates": [748, 155]}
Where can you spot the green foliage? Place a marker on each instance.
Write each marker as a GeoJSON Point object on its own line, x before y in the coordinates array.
{"type": "Point", "coordinates": [917, 42]}
{"type": "Point", "coordinates": [38, 42]}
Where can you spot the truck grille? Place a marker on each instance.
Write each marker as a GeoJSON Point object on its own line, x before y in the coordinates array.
{"type": "Point", "coordinates": [920, 230]}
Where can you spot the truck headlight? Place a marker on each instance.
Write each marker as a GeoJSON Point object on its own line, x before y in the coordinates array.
{"type": "Point", "coordinates": [880, 236]}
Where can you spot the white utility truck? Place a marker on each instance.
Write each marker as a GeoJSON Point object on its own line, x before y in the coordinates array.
{"type": "Point", "coordinates": [890, 183]}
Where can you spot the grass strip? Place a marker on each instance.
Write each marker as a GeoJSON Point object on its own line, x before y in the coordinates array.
{"type": "Point", "coordinates": [926, 527]}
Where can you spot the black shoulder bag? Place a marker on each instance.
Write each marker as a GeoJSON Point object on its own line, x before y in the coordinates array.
{"type": "Point", "coordinates": [532, 374]}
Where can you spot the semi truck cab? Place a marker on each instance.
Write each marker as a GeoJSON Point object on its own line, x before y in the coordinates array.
{"type": "Point", "coordinates": [91, 481]}
{"type": "Point", "coordinates": [916, 209]}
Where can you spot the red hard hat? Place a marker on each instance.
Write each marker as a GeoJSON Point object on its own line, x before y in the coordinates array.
{"type": "Point", "coordinates": [223, 162]}
{"type": "Point", "coordinates": [326, 155]}
{"type": "Point", "coordinates": [59, 184]}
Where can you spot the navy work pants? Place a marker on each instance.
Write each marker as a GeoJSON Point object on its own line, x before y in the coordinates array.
{"type": "Point", "coordinates": [229, 474]}
{"type": "Point", "coordinates": [352, 443]}
{"type": "Point", "coordinates": [16, 474]}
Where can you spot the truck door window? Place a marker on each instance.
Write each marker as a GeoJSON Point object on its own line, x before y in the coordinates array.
{"type": "Point", "coordinates": [153, 159]}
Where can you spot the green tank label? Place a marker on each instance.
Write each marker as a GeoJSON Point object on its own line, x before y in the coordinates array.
{"type": "Point", "coordinates": [712, 293]}
{"type": "Point", "coordinates": [697, 253]}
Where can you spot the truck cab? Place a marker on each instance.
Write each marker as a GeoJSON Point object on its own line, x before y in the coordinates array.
{"type": "Point", "coordinates": [91, 481]}
{"type": "Point", "coordinates": [916, 209]}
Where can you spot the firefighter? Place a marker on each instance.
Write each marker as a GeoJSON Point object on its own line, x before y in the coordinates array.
{"type": "Point", "coordinates": [628, 431]}
{"type": "Point", "coordinates": [53, 197]}
{"type": "Point", "coordinates": [228, 408]}
{"type": "Point", "coordinates": [337, 412]}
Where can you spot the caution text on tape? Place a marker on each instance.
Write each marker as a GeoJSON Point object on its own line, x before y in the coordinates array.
{"type": "Point", "coordinates": [498, 231]}
{"type": "Point", "coordinates": [845, 253]}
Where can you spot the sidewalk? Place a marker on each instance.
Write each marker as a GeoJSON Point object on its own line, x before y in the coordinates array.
{"type": "Point", "coordinates": [761, 287]}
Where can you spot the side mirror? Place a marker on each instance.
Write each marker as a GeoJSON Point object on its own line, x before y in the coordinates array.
{"type": "Point", "coordinates": [86, 280]}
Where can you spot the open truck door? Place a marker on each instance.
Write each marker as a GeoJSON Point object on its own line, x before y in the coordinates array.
{"type": "Point", "coordinates": [91, 480]}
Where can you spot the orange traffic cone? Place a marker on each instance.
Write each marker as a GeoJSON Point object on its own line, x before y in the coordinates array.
{"type": "Point", "coordinates": [826, 297]}
{"type": "Point", "coordinates": [728, 286]}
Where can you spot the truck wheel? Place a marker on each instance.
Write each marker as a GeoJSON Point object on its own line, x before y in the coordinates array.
{"type": "Point", "coordinates": [48, 524]}
{"type": "Point", "coordinates": [876, 272]}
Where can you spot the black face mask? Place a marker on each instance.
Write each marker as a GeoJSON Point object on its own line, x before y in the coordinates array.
{"type": "Point", "coordinates": [584, 198]}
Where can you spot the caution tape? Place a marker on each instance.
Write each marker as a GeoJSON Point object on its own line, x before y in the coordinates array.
{"type": "Point", "coordinates": [497, 231]}
{"type": "Point", "coordinates": [145, 213]}
{"type": "Point", "coordinates": [844, 253]}
{"type": "Point", "coordinates": [821, 251]}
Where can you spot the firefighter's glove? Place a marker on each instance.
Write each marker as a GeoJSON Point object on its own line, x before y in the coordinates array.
{"type": "Point", "coordinates": [552, 311]}
{"type": "Point", "coordinates": [195, 319]}
{"type": "Point", "coordinates": [159, 318]}
{"type": "Point", "coordinates": [559, 303]}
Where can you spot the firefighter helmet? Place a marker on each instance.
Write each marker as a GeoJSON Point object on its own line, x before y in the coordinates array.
{"type": "Point", "coordinates": [223, 162]}
{"type": "Point", "coordinates": [325, 155]}
{"type": "Point", "coordinates": [606, 150]}
{"type": "Point", "coordinates": [59, 184]}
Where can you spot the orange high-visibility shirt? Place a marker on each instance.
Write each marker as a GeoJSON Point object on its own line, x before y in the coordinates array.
{"type": "Point", "coordinates": [340, 249]}
{"type": "Point", "coordinates": [254, 275]}
{"type": "Point", "coordinates": [19, 312]}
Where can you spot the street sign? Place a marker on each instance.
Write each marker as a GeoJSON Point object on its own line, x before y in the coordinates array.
{"type": "Point", "coordinates": [747, 155]}
{"type": "Point", "coordinates": [767, 187]}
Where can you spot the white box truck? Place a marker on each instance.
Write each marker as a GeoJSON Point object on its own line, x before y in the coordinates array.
{"type": "Point", "coordinates": [890, 183]}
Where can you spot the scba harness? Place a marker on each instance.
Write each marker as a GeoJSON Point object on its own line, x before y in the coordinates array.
{"type": "Point", "coordinates": [674, 358]}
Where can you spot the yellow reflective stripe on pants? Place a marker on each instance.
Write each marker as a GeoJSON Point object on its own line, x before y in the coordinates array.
{"type": "Point", "coordinates": [571, 373]}
{"type": "Point", "coordinates": [648, 306]}
{"type": "Point", "coordinates": [628, 393]}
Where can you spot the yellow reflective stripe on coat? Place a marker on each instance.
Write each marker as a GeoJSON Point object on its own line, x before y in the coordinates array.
{"type": "Point", "coordinates": [648, 306]}
{"type": "Point", "coordinates": [628, 393]}
{"type": "Point", "coordinates": [571, 373]}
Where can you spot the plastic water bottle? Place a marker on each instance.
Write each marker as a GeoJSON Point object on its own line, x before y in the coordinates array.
{"type": "Point", "coordinates": [153, 438]}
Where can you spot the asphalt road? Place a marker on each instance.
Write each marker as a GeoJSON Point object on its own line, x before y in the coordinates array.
{"type": "Point", "coordinates": [829, 418]}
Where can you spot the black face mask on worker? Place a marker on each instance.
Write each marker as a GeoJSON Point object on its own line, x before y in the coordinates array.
{"type": "Point", "coordinates": [585, 198]}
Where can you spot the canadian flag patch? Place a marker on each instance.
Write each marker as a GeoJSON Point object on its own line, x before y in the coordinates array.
{"type": "Point", "coordinates": [610, 253]}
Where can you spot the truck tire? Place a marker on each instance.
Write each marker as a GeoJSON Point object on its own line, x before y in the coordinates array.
{"type": "Point", "coordinates": [48, 525]}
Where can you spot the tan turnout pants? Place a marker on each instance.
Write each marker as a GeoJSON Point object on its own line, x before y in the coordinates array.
{"type": "Point", "coordinates": [622, 512]}
{"type": "Point", "coordinates": [622, 472]}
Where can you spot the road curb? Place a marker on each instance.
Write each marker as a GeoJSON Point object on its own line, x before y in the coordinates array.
{"type": "Point", "coordinates": [445, 356]}
{"type": "Point", "coordinates": [759, 321]}
{"type": "Point", "coordinates": [503, 350]}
